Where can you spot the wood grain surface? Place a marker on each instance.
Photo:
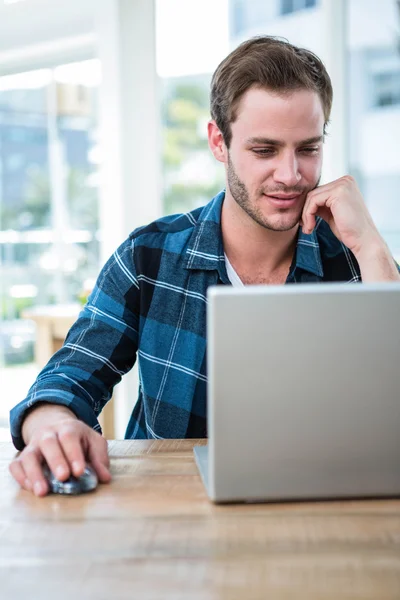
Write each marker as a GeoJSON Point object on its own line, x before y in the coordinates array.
{"type": "Point", "coordinates": [153, 534]}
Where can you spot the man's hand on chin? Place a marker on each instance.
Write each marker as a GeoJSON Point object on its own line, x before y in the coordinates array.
{"type": "Point", "coordinates": [342, 206]}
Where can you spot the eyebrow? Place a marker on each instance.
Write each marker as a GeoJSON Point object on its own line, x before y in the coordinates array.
{"type": "Point", "coordinates": [271, 142]}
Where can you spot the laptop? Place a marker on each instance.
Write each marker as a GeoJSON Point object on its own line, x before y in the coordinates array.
{"type": "Point", "coordinates": [303, 392]}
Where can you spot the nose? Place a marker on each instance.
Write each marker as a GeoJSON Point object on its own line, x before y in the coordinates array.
{"type": "Point", "coordinates": [287, 170]}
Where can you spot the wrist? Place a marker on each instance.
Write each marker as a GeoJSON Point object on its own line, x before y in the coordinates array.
{"type": "Point", "coordinates": [376, 263]}
{"type": "Point", "coordinates": [371, 247]}
{"type": "Point", "coordinates": [43, 414]}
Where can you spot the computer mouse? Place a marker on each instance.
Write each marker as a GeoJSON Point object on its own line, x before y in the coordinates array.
{"type": "Point", "coordinates": [87, 482]}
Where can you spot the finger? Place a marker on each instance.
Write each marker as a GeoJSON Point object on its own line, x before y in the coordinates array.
{"type": "Point", "coordinates": [51, 450]}
{"type": "Point", "coordinates": [71, 444]}
{"type": "Point", "coordinates": [32, 463]}
{"type": "Point", "coordinates": [306, 226]}
{"type": "Point", "coordinates": [18, 472]}
{"type": "Point", "coordinates": [323, 190]}
{"type": "Point", "coordinates": [311, 209]}
{"type": "Point", "coordinates": [331, 185]}
{"type": "Point", "coordinates": [98, 457]}
{"type": "Point", "coordinates": [304, 215]}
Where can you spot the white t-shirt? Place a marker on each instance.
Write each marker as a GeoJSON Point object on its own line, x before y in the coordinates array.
{"type": "Point", "coordinates": [232, 275]}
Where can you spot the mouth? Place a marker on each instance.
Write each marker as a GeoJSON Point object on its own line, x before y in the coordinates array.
{"type": "Point", "coordinates": [283, 200]}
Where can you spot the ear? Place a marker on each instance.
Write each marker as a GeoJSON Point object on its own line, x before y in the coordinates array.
{"type": "Point", "coordinates": [216, 142]}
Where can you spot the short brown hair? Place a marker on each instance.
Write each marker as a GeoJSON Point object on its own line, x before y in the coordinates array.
{"type": "Point", "coordinates": [267, 62]}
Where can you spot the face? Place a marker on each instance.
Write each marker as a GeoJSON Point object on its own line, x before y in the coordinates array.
{"type": "Point", "coordinates": [275, 156]}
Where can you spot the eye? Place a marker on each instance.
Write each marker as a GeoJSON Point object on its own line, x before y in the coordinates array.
{"type": "Point", "coordinates": [310, 150]}
{"type": "Point", "coordinates": [264, 151]}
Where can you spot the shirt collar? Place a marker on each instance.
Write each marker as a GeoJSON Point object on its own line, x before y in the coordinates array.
{"type": "Point", "coordinates": [205, 248]}
{"type": "Point", "coordinates": [308, 252]}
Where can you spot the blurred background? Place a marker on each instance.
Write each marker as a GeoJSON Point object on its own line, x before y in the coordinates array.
{"type": "Point", "coordinates": [103, 113]}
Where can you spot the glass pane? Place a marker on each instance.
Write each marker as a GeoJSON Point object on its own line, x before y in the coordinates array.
{"type": "Point", "coordinates": [48, 208]}
{"type": "Point", "coordinates": [374, 110]}
{"type": "Point", "coordinates": [287, 6]}
{"type": "Point", "coordinates": [303, 28]}
{"type": "Point", "coordinates": [24, 178]}
{"type": "Point", "coordinates": [191, 176]}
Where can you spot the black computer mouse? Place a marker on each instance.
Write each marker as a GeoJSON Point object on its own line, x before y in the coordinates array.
{"type": "Point", "coordinates": [87, 482]}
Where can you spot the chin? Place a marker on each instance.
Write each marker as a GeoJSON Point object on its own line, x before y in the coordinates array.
{"type": "Point", "coordinates": [282, 224]}
{"type": "Point", "coordinates": [283, 227]}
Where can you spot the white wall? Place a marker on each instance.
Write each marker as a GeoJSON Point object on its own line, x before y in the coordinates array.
{"type": "Point", "coordinates": [31, 22]}
{"type": "Point", "coordinates": [303, 28]}
{"type": "Point", "coordinates": [384, 205]}
{"type": "Point", "coordinates": [372, 23]}
{"type": "Point", "coordinates": [379, 142]}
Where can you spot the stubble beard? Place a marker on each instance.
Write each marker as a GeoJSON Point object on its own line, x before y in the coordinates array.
{"type": "Point", "coordinates": [241, 196]}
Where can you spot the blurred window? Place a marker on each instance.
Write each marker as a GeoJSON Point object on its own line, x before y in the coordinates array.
{"type": "Point", "coordinates": [238, 16]}
{"type": "Point", "coordinates": [386, 88]}
{"type": "Point", "coordinates": [246, 15]}
{"type": "Point", "coordinates": [49, 249]}
{"type": "Point", "coordinates": [191, 175]}
{"type": "Point", "coordinates": [374, 110]}
{"type": "Point", "coordinates": [291, 6]}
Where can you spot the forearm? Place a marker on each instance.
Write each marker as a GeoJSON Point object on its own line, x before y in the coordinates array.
{"type": "Point", "coordinates": [376, 263]}
{"type": "Point", "coordinates": [100, 347]}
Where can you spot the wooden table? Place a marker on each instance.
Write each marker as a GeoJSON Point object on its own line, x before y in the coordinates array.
{"type": "Point", "coordinates": [152, 534]}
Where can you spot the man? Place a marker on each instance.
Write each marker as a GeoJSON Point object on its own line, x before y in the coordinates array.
{"type": "Point", "coordinates": [270, 105]}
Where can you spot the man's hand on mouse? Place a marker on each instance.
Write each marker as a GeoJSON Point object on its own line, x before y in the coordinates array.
{"type": "Point", "coordinates": [53, 434]}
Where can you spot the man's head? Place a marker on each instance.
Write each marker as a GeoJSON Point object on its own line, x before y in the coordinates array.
{"type": "Point", "coordinates": [270, 105]}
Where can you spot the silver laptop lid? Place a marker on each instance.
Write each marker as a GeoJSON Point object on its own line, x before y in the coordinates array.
{"type": "Point", "coordinates": [303, 391]}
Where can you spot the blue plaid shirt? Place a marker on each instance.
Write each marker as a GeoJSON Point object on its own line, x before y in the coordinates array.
{"type": "Point", "coordinates": [150, 302]}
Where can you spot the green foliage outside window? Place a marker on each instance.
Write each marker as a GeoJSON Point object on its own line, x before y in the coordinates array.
{"type": "Point", "coordinates": [185, 113]}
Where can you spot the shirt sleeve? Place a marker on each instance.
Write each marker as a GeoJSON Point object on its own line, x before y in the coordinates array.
{"type": "Point", "coordinates": [100, 347]}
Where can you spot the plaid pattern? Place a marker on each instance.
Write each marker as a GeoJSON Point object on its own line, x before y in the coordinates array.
{"type": "Point", "coordinates": [150, 302]}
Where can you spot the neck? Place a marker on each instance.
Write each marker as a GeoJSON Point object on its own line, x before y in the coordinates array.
{"type": "Point", "coordinates": [249, 246]}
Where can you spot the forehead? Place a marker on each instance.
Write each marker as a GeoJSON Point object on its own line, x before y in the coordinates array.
{"type": "Point", "coordinates": [289, 117]}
